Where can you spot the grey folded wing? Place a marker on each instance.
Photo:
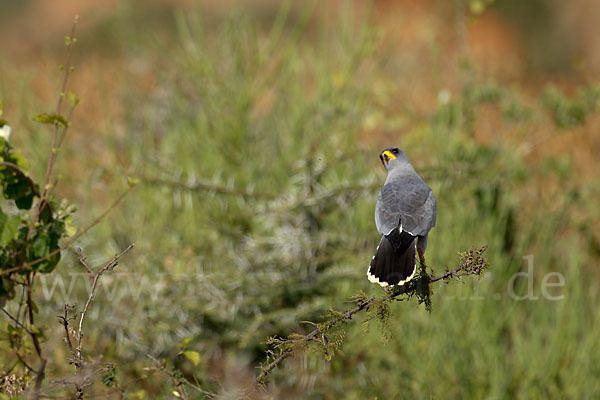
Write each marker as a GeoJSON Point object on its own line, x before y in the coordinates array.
{"type": "Point", "coordinates": [408, 203]}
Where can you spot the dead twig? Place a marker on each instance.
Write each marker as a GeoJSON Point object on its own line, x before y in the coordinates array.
{"type": "Point", "coordinates": [107, 267]}
{"type": "Point", "coordinates": [84, 379]}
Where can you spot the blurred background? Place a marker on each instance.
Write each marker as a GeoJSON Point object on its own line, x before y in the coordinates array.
{"type": "Point", "coordinates": [255, 129]}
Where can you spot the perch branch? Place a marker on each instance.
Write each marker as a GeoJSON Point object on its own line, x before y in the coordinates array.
{"type": "Point", "coordinates": [470, 263]}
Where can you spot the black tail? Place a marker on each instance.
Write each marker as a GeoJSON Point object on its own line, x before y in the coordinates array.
{"type": "Point", "coordinates": [393, 265]}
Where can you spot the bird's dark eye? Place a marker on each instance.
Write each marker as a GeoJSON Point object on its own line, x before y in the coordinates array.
{"type": "Point", "coordinates": [395, 151]}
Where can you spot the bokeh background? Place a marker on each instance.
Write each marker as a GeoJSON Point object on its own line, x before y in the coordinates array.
{"type": "Point", "coordinates": [255, 129]}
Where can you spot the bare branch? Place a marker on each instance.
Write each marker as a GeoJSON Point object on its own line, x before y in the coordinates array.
{"type": "Point", "coordinates": [207, 187]}
{"type": "Point", "coordinates": [108, 266]}
{"type": "Point", "coordinates": [84, 379]}
{"type": "Point", "coordinates": [16, 321]}
{"type": "Point", "coordinates": [64, 319]}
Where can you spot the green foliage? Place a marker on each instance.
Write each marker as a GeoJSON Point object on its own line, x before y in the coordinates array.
{"type": "Point", "coordinates": [109, 376]}
{"type": "Point", "coordinates": [570, 112]}
{"type": "Point", "coordinates": [31, 231]}
{"type": "Point", "coordinates": [21, 242]}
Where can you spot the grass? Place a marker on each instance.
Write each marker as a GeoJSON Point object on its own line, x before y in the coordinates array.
{"type": "Point", "coordinates": [299, 110]}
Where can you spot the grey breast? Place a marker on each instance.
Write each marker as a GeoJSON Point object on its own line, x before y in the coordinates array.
{"type": "Point", "coordinates": [407, 201]}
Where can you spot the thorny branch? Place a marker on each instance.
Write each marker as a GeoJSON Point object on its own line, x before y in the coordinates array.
{"type": "Point", "coordinates": [76, 356]}
{"type": "Point", "coordinates": [470, 263]}
{"type": "Point", "coordinates": [206, 187]}
{"type": "Point", "coordinates": [210, 187]}
{"type": "Point", "coordinates": [108, 267]}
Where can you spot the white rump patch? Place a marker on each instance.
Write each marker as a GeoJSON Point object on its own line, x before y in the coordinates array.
{"type": "Point", "coordinates": [402, 230]}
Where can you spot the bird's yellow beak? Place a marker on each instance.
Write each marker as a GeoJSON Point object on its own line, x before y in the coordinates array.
{"type": "Point", "coordinates": [387, 155]}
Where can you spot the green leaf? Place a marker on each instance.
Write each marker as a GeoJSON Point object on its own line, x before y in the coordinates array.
{"type": "Point", "coordinates": [7, 290]}
{"type": "Point", "coordinates": [184, 342]}
{"type": "Point", "coordinates": [36, 331]}
{"type": "Point", "coordinates": [8, 228]}
{"type": "Point", "coordinates": [17, 188]}
{"type": "Point", "coordinates": [139, 395]}
{"type": "Point", "coordinates": [18, 159]}
{"type": "Point", "coordinates": [34, 307]}
{"type": "Point", "coordinates": [193, 356]}
{"type": "Point", "coordinates": [132, 181]}
{"type": "Point", "coordinates": [51, 119]}
{"type": "Point", "coordinates": [41, 245]}
{"type": "Point", "coordinates": [45, 243]}
{"type": "Point", "coordinates": [24, 202]}
{"type": "Point", "coordinates": [73, 99]}
{"type": "Point", "coordinates": [70, 229]}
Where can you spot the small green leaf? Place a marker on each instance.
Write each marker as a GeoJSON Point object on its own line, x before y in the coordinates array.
{"type": "Point", "coordinates": [36, 331]}
{"type": "Point", "coordinates": [51, 119]}
{"type": "Point", "coordinates": [34, 307]}
{"type": "Point", "coordinates": [193, 356]}
{"type": "Point", "coordinates": [132, 181]}
{"type": "Point", "coordinates": [73, 99]}
{"type": "Point", "coordinates": [18, 159]}
{"type": "Point", "coordinates": [139, 395]}
{"type": "Point", "coordinates": [8, 228]}
{"type": "Point", "coordinates": [70, 229]}
{"type": "Point", "coordinates": [184, 342]}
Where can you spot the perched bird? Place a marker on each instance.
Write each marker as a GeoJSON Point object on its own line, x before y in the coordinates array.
{"type": "Point", "coordinates": [404, 214]}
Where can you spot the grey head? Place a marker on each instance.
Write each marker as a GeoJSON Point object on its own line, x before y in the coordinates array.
{"type": "Point", "coordinates": [393, 158]}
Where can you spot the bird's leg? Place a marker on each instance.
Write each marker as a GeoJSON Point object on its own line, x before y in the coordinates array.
{"type": "Point", "coordinates": [421, 256]}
